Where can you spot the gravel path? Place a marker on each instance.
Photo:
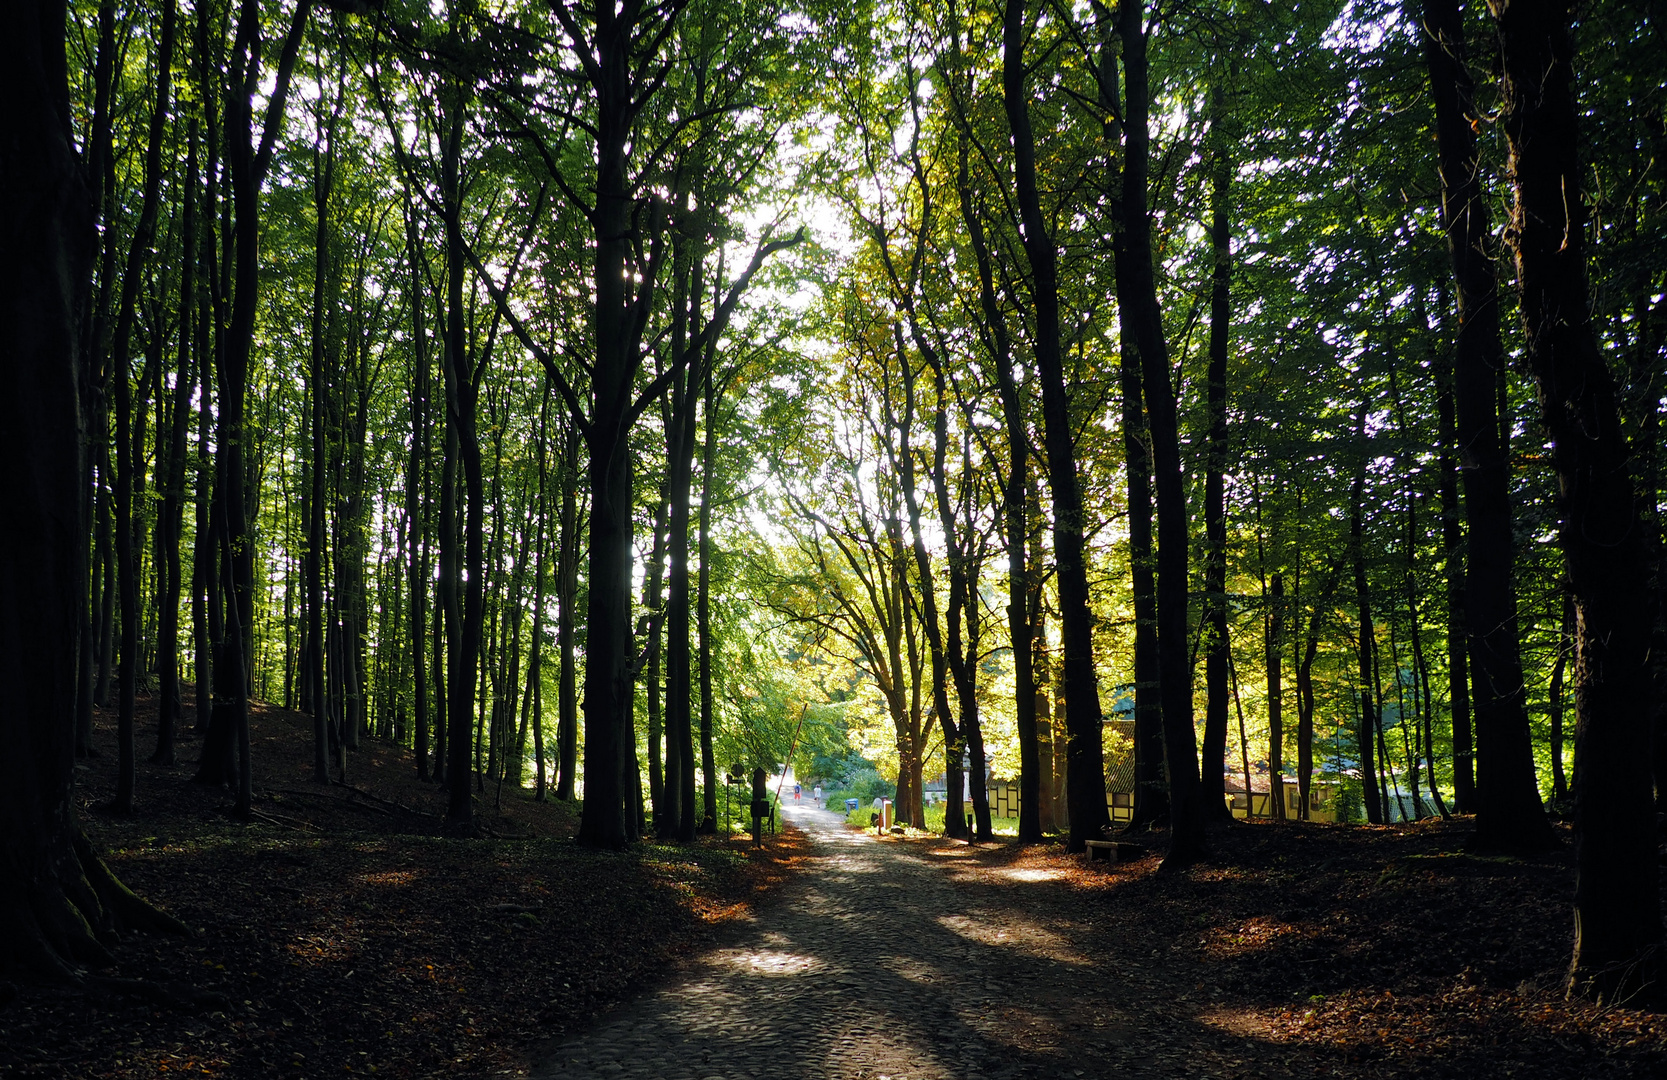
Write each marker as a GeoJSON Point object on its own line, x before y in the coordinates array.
{"type": "Point", "coordinates": [878, 963]}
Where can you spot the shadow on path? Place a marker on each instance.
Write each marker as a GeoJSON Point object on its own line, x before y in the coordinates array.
{"type": "Point", "coordinates": [881, 962]}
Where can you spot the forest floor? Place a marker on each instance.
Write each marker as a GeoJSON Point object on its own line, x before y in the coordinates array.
{"type": "Point", "coordinates": [1297, 953]}
{"type": "Point", "coordinates": [1340, 951]}
{"type": "Point", "coordinates": [343, 931]}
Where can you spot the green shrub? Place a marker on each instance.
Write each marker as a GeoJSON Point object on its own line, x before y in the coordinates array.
{"type": "Point", "coordinates": [866, 785]}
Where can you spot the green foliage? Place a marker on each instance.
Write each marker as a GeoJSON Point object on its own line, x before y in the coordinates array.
{"type": "Point", "coordinates": [880, 127]}
{"type": "Point", "coordinates": [865, 783]}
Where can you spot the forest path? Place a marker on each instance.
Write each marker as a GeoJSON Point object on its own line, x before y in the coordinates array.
{"type": "Point", "coordinates": [890, 959]}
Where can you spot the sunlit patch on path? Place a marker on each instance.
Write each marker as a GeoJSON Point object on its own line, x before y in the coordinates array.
{"type": "Point", "coordinates": [883, 960]}
{"type": "Point", "coordinates": [925, 959]}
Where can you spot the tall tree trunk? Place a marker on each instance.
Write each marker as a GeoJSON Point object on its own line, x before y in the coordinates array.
{"type": "Point", "coordinates": [1644, 401]}
{"type": "Point", "coordinates": [1085, 761]}
{"type": "Point", "coordinates": [352, 540]}
{"type": "Point", "coordinates": [1137, 289]}
{"type": "Point", "coordinates": [105, 567]}
{"type": "Point", "coordinates": [1409, 752]}
{"type": "Point", "coordinates": [608, 816]}
{"type": "Point", "coordinates": [130, 418]}
{"type": "Point", "coordinates": [95, 658]}
{"type": "Point", "coordinates": [1366, 642]}
{"type": "Point", "coordinates": [931, 621]}
{"type": "Point", "coordinates": [567, 594]}
{"type": "Point", "coordinates": [202, 556]}
{"type": "Point", "coordinates": [324, 164]}
{"type": "Point", "coordinates": [442, 613]}
{"type": "Point", "coordinates": [660, 769]}
{"type": "Point", "coordinates": [531, 702]}
{"type": "Point", "coordinates": [1274, 646]}
{"type": "Point", "coordinates": [905, 287]}
{"type": "Point", "coordinates": [1217, 657]}
{"type": "Point", "coordinates": [1421, 679]}
{"type": "Point", "coordinates": [679, 673]}
{"type": "Point", "coordinates": [1305, 699]}
{"type": "Point", "coordinates": [689, 359]}
{"type": "Point", "coordinates": [1051, 816]}
{"type": "Point", "coordinates": [463, 569]}
{"type": "Point", "coordinates": [1244, 748]}
{"type": "Point", "coordinates": [703, 603]}
{"type": "Point", "coordinates": [514, 758]}
{"type": "Point", "coordinates": [903, 689]}
{"type": "Point", "coordinates": [169, 527]}
{"type": "Point", "coordinates": [1617, 908]}
{"type": "Point", "coordinates": [416, 477]}
{"type": "Point", "coordinates": [964, 602]}
{"type": "Point", "coordinates": [87, 643]}
{"type": "Point", "coordinates": [694, 347]}
{"type": "Point", "coordinates": [510, 603]}
{"type": "Point", "coordinates": [211, 335]}
{"type": "Point", "coordinates": [623, 289]}
{"type": "Point", "coordinates": [1151, 796]}
{"type": "Point", "coordinates": [1383, 764]}
{"type": "Point", "coordinates": [246, 164]}
{"type": "Point", "coordinates": [1554, 706]}
{"type": "Point", "coordinates": [57, 899]}
{"type": "Point", "coordinates": [1015, 528]}
{"type": "Point", "coordinates": [1508, 814]}
{"type": "Point", "coordinates": [541, 512]}
{"type": "Point", "coordinates": [1420, 676]}
{"type": "Point", "coordinates": [1452, 545]}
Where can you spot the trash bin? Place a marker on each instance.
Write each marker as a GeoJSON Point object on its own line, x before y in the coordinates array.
{"type": "Point", "coordinates": [850, 805]}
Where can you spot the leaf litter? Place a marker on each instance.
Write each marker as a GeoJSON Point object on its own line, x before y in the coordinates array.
{"type": "Point", "coordinates": [344, 933]}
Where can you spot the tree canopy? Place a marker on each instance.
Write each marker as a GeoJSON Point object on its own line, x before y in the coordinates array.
{"type": "Point", "coordinates": [592, 397]}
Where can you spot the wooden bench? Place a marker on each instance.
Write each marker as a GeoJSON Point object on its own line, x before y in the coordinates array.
{"type": "Point", "coordinates": [1113, 850]}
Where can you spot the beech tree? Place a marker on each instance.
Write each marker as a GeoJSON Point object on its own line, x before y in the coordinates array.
{"type": "Point", "coordinates": [59, 905]}
{"type": "Point", "coordinates": [1181, 323]}
{"type": "Point", "coordinates": [1082, 697]}
{"type": "Point", "coordinates": [1617, 905]}
{"type": "Point", "coordinates": [1509, 814]}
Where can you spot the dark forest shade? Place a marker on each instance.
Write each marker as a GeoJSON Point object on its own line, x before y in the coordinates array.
{"type": "Point", "coordinates": [58, 904]}
{"type": "Point", "coordinates": [1617, 906]}
{"type": "Point", "coordinates": [550, 281]}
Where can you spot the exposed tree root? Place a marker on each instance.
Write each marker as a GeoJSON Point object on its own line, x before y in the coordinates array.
{"type": "Point", "coordinates": [279, 819]}
{"type": "Point", "coordinates": [1629, 983]}
{"type": "Point", "coordinates": [60, 923]}
{"type": "Point", "coordinates": [379, 799]}
{"type": "Point", "coordinates": [129, 911]}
